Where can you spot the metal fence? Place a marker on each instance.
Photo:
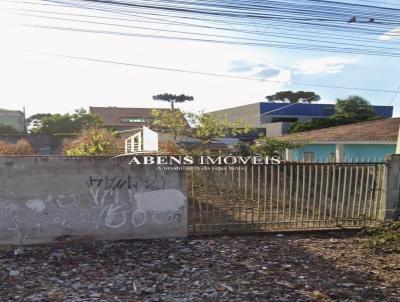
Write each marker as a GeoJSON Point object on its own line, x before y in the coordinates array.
{"type": "Point", "coordinates": [289, 196]}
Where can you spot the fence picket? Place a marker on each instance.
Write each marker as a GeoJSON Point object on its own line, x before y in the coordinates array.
{"type": "Point", "coordinates": [291, 196]}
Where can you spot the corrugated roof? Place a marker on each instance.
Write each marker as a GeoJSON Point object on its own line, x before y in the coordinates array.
{"type": "Point", "coordinates": [384, 130]}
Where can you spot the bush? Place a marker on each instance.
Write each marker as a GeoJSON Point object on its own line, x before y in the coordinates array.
{"type": "Point", "coordinates": [93, 142]}
{"type": "Point", "coordinates": [21, 147]}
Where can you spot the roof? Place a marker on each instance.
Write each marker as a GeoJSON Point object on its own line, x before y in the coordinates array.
{"type": "Point", "coordinates": [110, 116]}
{"type": "Point", "coordinates": [384, 130]}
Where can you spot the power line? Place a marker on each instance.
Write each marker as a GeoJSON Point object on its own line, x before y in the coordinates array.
{"type": "Point", "coordinates": [215, 74]}
{"type": "Point", "coordinates": [230, 12]}
{"type": "Point", "coordinates": [270, 44]}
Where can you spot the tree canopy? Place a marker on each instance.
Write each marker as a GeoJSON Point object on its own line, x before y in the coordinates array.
{"type": "Point", "coordinates": [37, 116]}
{"type": "Point", "coordinates": [352, 109]}
{"type": "Point", "coordinates": [66, 123]}
{"type": "Point", "coordinates": [170, 120]}
{"type": "Point", "coordinates": [294, 97]}
{"type": "Point", "coordinates": [268, 146]}
{"type": "Point", "coordinates": [172, 98]}
{"type": "Point", "coordinates": [209, 127]}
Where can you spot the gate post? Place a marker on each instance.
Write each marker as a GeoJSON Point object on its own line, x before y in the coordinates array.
{"type": "Point", "coordinates": [391, 189]}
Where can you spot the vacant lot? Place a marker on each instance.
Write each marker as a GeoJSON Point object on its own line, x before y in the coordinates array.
{"type": "Point", "coordinates": [307, 267]}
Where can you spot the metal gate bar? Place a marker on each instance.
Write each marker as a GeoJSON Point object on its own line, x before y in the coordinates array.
{"type": "Point", "coordinates": [289, 196]}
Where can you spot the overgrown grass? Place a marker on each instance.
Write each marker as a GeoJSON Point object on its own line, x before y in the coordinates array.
{"type": "Point", "coordinates": [21, 147]}
{"type": "Point", "coordinates": [385, 238]}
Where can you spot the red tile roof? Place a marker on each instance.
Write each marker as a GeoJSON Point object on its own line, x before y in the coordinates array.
{"type": "Point", "coordinates": [384, 130]}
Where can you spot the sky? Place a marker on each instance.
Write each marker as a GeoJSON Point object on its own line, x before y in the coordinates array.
{"type": "Point", "coordinates": [36, 73]}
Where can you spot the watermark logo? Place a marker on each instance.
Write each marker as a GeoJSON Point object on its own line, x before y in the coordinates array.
{"type": "Point", "coordinates": [187, 162]}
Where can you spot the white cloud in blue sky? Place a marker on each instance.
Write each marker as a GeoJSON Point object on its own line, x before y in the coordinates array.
{"type": "Point", "coordinates": [390, 34]}
{"type": "Point", "coordinates": [323, 65]}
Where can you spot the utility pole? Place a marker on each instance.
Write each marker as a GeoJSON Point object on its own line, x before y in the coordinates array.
{"type": "Point", "coordinates": [25, 126]}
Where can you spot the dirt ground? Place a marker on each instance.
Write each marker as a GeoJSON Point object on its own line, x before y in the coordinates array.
{"type": "Point", "coordinates": [274, 267]}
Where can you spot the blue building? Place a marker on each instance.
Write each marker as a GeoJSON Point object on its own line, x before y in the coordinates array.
{"type": "Point", "coordinates": [277, 118]}
{"type": "Point", "coordinates": [365, 141]}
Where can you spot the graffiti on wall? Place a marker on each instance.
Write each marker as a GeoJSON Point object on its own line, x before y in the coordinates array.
{"type": "Point", "coordinates": [108, 202]}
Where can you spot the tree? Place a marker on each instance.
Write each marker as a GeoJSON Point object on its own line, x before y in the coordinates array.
{"type": "Point", "coordinates": [294, 97]}
{"type": "Point", "coordinates": [37, 116]}
{"type": "Point", "coordinates": [209, 127]}
{"type": "Point", "coordinates": [268, 146]}
{"type": "Point", "coordinates": [350, 110]}
{"type": "Point", "coordinates": [170, 120]}
{"type": "Point", "coordinates": [172, 98]}
{"type": "Point", "coordinates": [67, 123]}
{"type": "Point", "coordinates": [354, 107]}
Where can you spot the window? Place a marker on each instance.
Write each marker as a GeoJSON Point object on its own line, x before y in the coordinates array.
{"type": "Point", "coordinates": [309, 156]}
{"type": "Point", "coordinates": [284, 119]}
{"type": "Point", "coordinates": [132, 120]}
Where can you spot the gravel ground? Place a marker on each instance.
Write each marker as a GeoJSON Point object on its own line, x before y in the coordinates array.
{"type": "Point", "coordinates": [306, 267]}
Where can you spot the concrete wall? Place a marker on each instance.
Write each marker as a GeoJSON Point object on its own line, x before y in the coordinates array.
{"type": "Point", "coordinates": [247, 113]}
{"type": "Point", "coordinates": [277, 129]}
{"type": "Point", "coordinates": [390, 209]}
{"type": "Point", "coordinates": [46, 199]}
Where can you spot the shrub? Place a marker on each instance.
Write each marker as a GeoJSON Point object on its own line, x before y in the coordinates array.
{"type": "Point", "coordinates": [93, 142]}
{"type": "Point", "coordinates": [21, 147]}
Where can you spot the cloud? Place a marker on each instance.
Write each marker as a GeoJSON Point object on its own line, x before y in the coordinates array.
{"type": "Point", "coordinates": [327, 65]}
{"type": "Point", "coordinates": [266, 73]}
{"type": "Point", "coordinates": [314, 66]}
{"type": "Point", "coordinates": [257, 70]}
{"type": "Point", "coordinates": [240, 66]}
{"type": "Point", "coordinates": [391, 34]}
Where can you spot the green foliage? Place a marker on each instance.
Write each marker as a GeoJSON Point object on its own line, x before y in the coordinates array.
{"type": "Point", "coordinates": [8, 130]}
{"type": "Point", "coordinates": [67, 123]}
{"type": "Point", "coordinates": [93, 142]}
{"type": "Point", "coordinates": [351, 110]}
{"type": "Point", "coordinates": [172, 98]}
{"type": "Point", "coordinates": [355, 108]}
{"type": "Point", "coordinates": [209, 127]}
{"type": "Point", "coordinates": [268, 146]}
{"type": "Point", "coordinates": [384, 239]}
{"type": "Point", "coordinates": [37, 116]}
{"type": "Point", "coordinates": [170, 120]}
{"type": "Point", "coordinates": [294, 97]}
